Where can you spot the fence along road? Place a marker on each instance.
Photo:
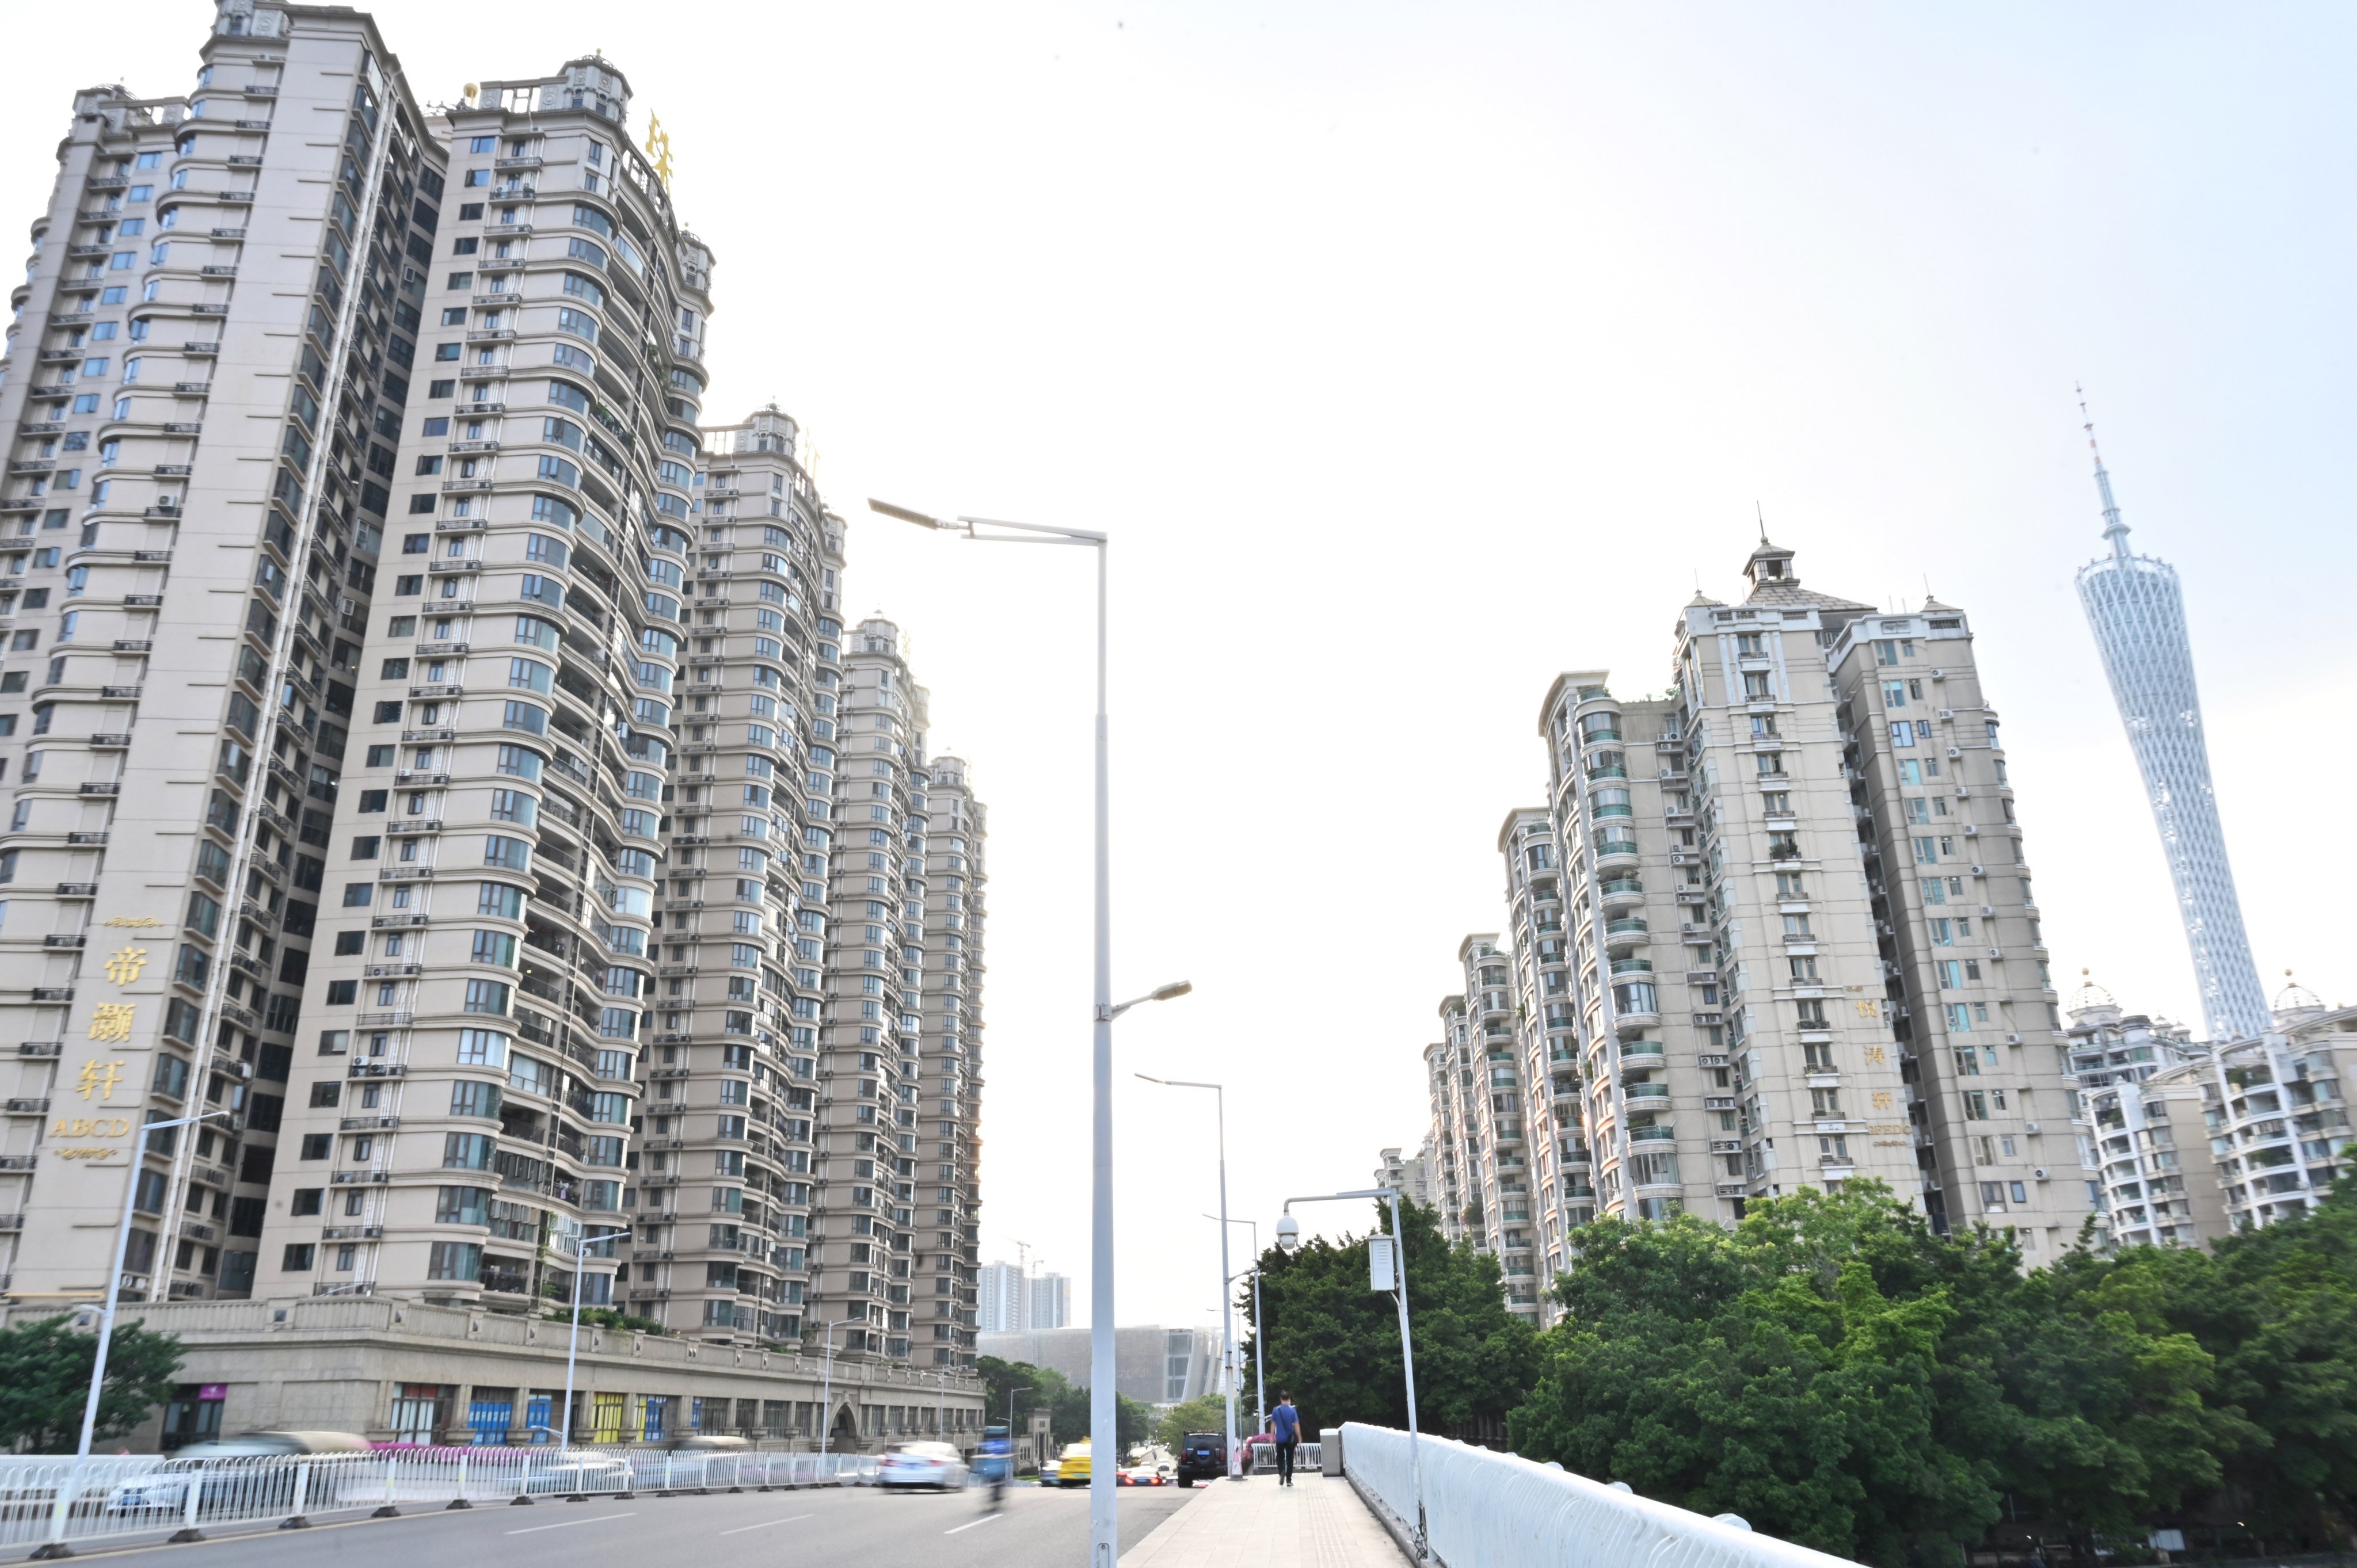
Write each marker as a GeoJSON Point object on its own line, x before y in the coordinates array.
{"type": "Point", "coordinates": [1500, 1510]}
{"type": "Point", "coordinates": [133, 1498]}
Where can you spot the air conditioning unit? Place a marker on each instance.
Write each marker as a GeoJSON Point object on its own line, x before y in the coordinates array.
{"type": "Point", "coordinates": [1988, 909]}
{"type": "Point", "coordinates": [1972, 829]}
{"type": "Point", "coordinates": [2013, 1039]}
{"type": "Point", "coordinates": [1947, 712]}
{"type": "Point", "coordinates": [2031, 1128]}
{"type": "Point", "coordinates": [1939, 674]}
{"type": "Point", "coordinates": [1978, 871]}
{"type": "Point", "coordinates": [1956, 751]}
{"type": "Point", "coordinates": [2040, 1173]}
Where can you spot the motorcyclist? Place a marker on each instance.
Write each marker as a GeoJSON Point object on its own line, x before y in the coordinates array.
{"type": "Point", "coordinates": [997, 1455]}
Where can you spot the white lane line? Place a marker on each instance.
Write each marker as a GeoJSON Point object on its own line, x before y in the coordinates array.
{"type": "Point", "coordinates": [564, 1523]}
{"type": "Point", "coordinates": [767, 1523]}
{"type": "Point", "coordinates": [983, 1520]}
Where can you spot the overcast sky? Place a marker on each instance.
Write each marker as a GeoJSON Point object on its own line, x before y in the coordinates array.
{"type": "Point", "coordinates": [1413, 354]}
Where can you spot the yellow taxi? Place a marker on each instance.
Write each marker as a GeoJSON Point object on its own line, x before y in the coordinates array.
{"type": "Point", "coordinates": [1073, 1465]}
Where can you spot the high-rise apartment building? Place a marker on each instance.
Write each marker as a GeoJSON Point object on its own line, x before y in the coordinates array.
{"type": "Point", "coordinates": [1405, 1173]}
{"type": "Point", "coordinates": [214, 355]}
{"type": "Point", "coordinates": [2138, 613]}
{"type": "Point", "coordinates": [2190, 1142]}
{"type": "Point", "coordinates": [1003, 1299]}
{"type": "Point", "coordinates": [1775, 928]}
{"type": "Point", "coordinates": [1051, 1300]}
{"type": "Point", "coordinates": [439, 753]}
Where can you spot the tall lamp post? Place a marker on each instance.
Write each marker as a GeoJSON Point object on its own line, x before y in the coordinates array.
{"type": "Point", "coordinates": [55, 1545]}
{"type": "Point", "coordinates": [1260, 1329]}
{"type": "Point", "coordinates": [1227, 1281]}
{"type": "Point", "coordinates": [1395, 1278]}
{"type": "Point", "coordinates": [1104, 1533]}
{"type": "Point", "coordinates": [573, 1346]}
{"type": "Point", "coordinates": [826, 1397]}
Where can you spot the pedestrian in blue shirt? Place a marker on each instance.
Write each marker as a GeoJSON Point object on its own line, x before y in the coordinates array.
{"type": "Point", "coordinates": [1286, 1421]}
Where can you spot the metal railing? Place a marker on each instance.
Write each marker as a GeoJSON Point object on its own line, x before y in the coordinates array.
{"type": "Point", "coordinates": [1485, 1510]}
{"type": "Point", "coordinates": [125, 1497]}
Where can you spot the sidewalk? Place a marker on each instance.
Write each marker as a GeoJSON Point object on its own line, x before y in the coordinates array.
{"type": "Point", "coordinates": [1316, 1523]}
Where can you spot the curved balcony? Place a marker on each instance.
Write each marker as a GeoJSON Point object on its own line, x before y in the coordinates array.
{"type": "Point", "coordinates": [1632, 966]}
{"type": "Point", "coordinates": [1620, 892]}
{"type": "Point", "coordinates": [1615, 853]}
{"type": "Point", "coordinates": [1625, 933]}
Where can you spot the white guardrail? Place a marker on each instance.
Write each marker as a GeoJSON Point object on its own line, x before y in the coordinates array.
{"type": "Point", "coordinates": [122, 1497]}
{"type": "Point", "coordinates": [1484, 1510]}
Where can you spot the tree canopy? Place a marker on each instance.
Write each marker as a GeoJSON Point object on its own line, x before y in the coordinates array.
{"type": "Point", "coordinates": [1067, 1401]}
{"type": "Point", "coordinates": [1334, 1344]}
{"type": "Point", "coordinates": [1842, 1376]}
{"type": "Point", "coordinates": [44, 1382]}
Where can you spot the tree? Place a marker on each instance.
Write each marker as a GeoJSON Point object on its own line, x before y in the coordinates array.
{"type": "Point", "coordinates": [45, 1370]}
{"type": "Point", "coordinates": [1067, 1401]}
{"type": "Point", "coordinates": [1209, 1413]}
{"type": "Point", "coordinates": [1841, 1376]}
{"type": "Point", "coordinates": [1334, 1344]}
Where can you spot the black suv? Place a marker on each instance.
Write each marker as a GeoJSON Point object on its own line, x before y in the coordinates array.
{"type": "Point", "coordinates": [1202, 1457]}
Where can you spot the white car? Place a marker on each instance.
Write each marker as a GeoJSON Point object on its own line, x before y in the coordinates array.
{"type": "Point", "coordinates": [921, 1465]}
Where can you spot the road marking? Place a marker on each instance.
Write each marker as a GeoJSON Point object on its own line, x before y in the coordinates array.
{"type": "Point", "coordinates": [767, 1523]}
{"type": "Point", "coordinates": [983, 1520]}
{"type": "Point", "coordinates": [562, 1523]}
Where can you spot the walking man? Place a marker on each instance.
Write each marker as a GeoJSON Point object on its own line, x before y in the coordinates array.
{"type": "Point", "coordinates": [1286, 1421]}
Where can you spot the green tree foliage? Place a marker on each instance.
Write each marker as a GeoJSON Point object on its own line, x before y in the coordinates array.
{"type": "Point", "coordinates": [1840, 1376]}
{"type": "Point", "coordinates": [1067, 1403]}
{"type": "Point", "coordinates": [1334, 1344]}
{"type": "Point", "coordinates": [1209, 1413]}
{"type": "Point", "coordinates": [44, 1382]}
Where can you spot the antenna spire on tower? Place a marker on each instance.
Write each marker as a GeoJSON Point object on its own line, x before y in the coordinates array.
{"type": "Point", "coordinates": [1762, 516]}
{"type": "Point", "coordinates": [2113, 529]}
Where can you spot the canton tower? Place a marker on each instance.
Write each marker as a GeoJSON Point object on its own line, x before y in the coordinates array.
{"type": "Point", "coordinates": [2138, 617]}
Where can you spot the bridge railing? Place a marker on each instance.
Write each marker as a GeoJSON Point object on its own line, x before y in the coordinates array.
{"type": "Point", "coordinates": [1485, 1510]}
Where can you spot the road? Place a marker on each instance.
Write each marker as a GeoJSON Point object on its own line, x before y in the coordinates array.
{"type": "Point", "coordinates": [822, 1526]}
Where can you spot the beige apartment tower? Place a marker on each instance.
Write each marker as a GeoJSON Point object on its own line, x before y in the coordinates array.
{"type": "Point", "coordinates": [1774, 928]}
{"type": "Point", "coordinates": [432, 747]}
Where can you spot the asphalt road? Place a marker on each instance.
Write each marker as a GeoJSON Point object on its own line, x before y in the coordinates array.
{"type": "Point", "coordinates": [821, 1526]}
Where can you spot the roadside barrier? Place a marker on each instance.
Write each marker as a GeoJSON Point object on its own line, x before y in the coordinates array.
{"type": "Point", "coordinates": [122, 1498]}
{"type": "Point", "coordinates": [1485, 1510]}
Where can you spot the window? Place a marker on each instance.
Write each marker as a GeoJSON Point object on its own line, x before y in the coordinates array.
{"type": "Point", "coordinates": [485, 1048]}
{"type": "Point", "coordinates": [454, 1261]}
{"type": "Point", "coordinates": [487, 996]}
{"type": "Point", "coordinates": [470, 1098]}
{"type": "Point", "coordinates": [297, 1258]}
{"type": "Point", "coordinates": [511, 855]}
{"type": "Point", "coordinates": [524, 715]}
{"type": "Point", "coordinates": [494, 948]}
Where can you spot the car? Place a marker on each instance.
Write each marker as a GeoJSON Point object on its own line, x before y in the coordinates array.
{"type": "Point", "coordinates": [1047, 1472]}
{"type": "Point", "coordinates": [575, 1472]}
{"type": "Point", "coordinates": [167, 1486]}
{"type": "Point", "coordinates": [1142, 1475]}
{"type": "Point", "coordinates": [937, 1465]}
{"type": "Point", "coordinates": [1202, 1457]}
{"type": "Point", "coordinates": [1073, 1465]}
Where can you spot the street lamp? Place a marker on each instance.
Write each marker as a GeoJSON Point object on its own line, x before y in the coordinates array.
{"type": "Point", "coordinates": [1288, 1236]}
{"type": "Point", "coordinates": [573, 1346]}
{"type": "Point", "coordinates": [55, 1545]}
{"type": "Point", "coordinates": [1104, 1543]}
{"type": "Point", "coordinates": [1260, 1329]}
{"type": "Point", "coordinates": [1227, 1281]}
{"type": "Point", "coordinates": [826, 1398]}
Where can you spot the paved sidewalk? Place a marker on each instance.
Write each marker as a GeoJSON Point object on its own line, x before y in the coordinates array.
{"type": "Point", "coordinates": [1315, 1523]}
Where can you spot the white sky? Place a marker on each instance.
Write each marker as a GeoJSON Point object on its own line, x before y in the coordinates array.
{"type": "Point", "coordinates": [1413, 354]}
